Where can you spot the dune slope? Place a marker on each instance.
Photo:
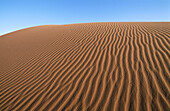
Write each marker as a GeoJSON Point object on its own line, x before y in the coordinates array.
{"type": "Point", "coordinates": [94, 66]}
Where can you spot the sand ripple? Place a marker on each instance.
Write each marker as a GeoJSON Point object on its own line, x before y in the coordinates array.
{"type": "Point", "coordinates": [95, 66]}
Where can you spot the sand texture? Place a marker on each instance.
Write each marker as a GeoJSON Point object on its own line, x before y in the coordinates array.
{"type": "Point", "coordinates": [93, 67]}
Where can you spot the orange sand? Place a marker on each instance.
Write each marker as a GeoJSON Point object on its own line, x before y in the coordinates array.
{"type": "Point", "coordinates": [94, 66]}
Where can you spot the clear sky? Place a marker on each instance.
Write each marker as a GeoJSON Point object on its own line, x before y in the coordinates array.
{"type": "Point", "coordinates": [19, 14]}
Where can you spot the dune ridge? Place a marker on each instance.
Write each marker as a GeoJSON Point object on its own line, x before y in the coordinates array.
{"type": "Point", "coordinates": [93, 66]}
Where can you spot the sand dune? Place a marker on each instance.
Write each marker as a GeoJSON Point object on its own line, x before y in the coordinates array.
{"type": "Point", "coordinates": [93, 66]}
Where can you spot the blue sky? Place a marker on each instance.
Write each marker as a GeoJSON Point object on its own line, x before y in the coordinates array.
{"type": "Point", "coordinates": [19, 14]}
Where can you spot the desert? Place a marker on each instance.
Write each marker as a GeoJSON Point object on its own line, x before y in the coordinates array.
{"type": "Point", "coordinates": [108, 66]}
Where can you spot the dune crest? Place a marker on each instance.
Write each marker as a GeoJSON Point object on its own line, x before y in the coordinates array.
{"type": "Point", "coordinates": [93, 66]}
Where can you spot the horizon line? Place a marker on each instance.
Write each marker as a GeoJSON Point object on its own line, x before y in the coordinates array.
{"type": "Point", "coordinates": [27, 27]}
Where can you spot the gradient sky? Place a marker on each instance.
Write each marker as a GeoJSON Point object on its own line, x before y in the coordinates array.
{"type": "Point", "coordinates": [19, 14]}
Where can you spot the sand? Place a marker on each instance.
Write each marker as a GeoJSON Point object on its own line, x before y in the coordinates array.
{"type": "Point", "coordinates": [93, 66]}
